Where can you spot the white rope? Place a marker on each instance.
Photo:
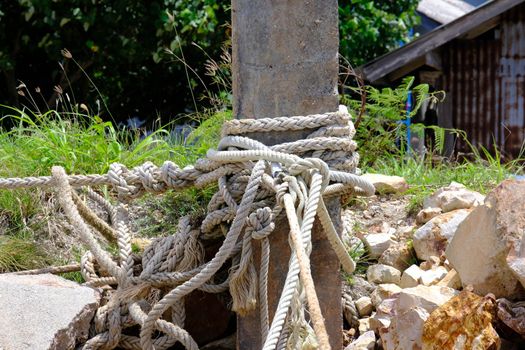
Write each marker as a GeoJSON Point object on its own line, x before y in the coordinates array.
{"type": "Point", "coordinates": [255, 183]}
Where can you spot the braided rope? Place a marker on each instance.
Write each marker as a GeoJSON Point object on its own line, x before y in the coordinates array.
{"type": "Point", "coordinates": [255, 183]}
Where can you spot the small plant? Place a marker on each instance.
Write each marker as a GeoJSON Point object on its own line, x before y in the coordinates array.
{"type": "Point", "coordinates": [380, 130]}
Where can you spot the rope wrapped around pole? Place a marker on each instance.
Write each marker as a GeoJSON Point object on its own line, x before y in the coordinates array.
{"type": "Point", "coordinates": [257, 184]}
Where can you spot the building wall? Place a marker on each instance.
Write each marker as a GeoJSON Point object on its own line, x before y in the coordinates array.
{"type": "Point", "coordinates": [485, 82]}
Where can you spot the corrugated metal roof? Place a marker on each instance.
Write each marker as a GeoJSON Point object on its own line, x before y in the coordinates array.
{"type": "Point", "coordinates": [444, 11]}
{"type": "Point", "coordinates": [406, 55]}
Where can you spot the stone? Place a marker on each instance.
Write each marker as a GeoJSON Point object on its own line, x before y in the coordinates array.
{"type": "Point", "coordinates": [480, 248]}
{"type": "Point", "coordinates": [377, 243]}
{"type": "Point", "coordinates": [383, 315]}
{"type": "Point", "coordinates": [462, 323]}
{"type": "Point", "coordinates": [433, 276]}
{"type": "Point", "coordinates": [400, 319]}
{"type": "Point", "coordinates": [405, 330]}
{"type": "Point", "coordinates": [380, 274]}
{"type": "Point", "coordinates": [398, 255]}
{"type": "Point", "coordinates": [387, 184]}
{"type": "Point", "coordinates": [426, 214]}
{"type": "Point", "coordinates": [433, 238]}
{"type": "Point", "coordinates": [453, 197]}
{"type": "Point", "coordinates": [405, 233]}
{"type": "Point", "coordinates": [364, 306]}
{"type": "Point", "coordinates": [358, 287]}
{"type": "Point", "coordinates": [410, 277]}
{"type": "Point", "coordinates": [427, 297]}
{"type": "Point", "coordinates": [44, 312]}
{"type": "Point", "coordinates": [384, 291]}
{"type": "Point", "coordinates": [364, 325]}
{"type": "Point", "coordinates": [512, 315]}
{"type": "Point", "coordinates": [451, 280]}
{"type": "Point", "coordinates": [366, 341]}
{"type": "Point", "coordinates": [431, 263]}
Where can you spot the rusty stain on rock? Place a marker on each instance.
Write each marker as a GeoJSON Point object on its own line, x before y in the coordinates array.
{"type": "Point", "coordinates": [463, 322]}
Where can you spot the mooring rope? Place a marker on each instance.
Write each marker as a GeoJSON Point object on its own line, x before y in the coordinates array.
{"type": "Point", "coordinates": [257, 185]}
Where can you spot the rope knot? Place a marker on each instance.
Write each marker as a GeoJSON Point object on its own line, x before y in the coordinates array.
{"type": "Point", "coordinates": [148, 173]}
{"type": "Point", "coordinates": [261, 223]}
{"type": "Point", "coordinates": [118, 174]}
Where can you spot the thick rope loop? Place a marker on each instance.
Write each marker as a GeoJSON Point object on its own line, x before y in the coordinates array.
{"type": "Point", "coordinates": [261, 223]}
{"type": "Point", "coordinates": [256, 183]}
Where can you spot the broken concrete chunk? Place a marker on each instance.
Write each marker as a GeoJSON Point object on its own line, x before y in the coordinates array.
{"type": "Point", "coordinates": [44, 312]}
{"type": "Point", "coordinates": [387, 184]}
{"type": "Point", "coordinates": [513, 315]}
{"type": "Point", "coordinates": [380, 273]}
{"type": "Point", "coordinates": [433, 238]}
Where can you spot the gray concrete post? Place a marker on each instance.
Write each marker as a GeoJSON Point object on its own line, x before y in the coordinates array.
{"type": "Point", "coordinates": [285, 63]}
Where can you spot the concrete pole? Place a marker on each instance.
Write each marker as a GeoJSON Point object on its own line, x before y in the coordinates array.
{"type": "Point", "coordinates": [285, 63]}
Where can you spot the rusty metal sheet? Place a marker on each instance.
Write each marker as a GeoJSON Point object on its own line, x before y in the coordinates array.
{"type": "Point", "coordinates": [485, 79]}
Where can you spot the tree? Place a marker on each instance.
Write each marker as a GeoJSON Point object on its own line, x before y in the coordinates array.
{"type": "Point", "coordinates": [369, 29]}
{"type": "Point", "coordinates": [120, 44]}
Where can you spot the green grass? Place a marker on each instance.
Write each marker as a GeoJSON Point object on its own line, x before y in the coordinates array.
{"type": "Point", "coordinates": [20, 253]}
{"type": "Point", "coordinates": [85, 144]}
{"type": "Point", "coordinates": [425, 176]}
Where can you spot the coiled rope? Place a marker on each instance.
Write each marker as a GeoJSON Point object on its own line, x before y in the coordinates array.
{"type": "Point", "coordinates": [257, 184]}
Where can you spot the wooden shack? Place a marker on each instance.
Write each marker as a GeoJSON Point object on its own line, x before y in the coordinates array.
{"type": "Point", "coordinates": [479, 61]}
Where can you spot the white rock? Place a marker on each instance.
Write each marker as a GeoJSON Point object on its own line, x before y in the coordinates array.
{"type": "Point", "coordinates": [410, 277]}
{"type": "Point", "coordinates": [455, 196]}
{"type": "Point", "coordinates": [384, 291]}
{"type": "Point", "coordinates": [364, 306]}
{"type": "Point", "coordinates": [366, 341]}
{"type": "Point", "coordinates": [377, 243]}
{"type": "Point", "coordinates": [380, 273]}
{"type": "Point", "coordinates": [399, 320]}
{"type": "Point", "coordinates": [405, 330]}
{"type": "Point", "coordinates": [364, 325]}
{"type": "Point", "coordinates": [382, 318]}
{"type": "Point", "coordinates": [44, 312]}
{"type": "Point", "coordinates": [431, 263]}
{"type": "Point", "coordinates": [427, 297]}
{"type": "Point", "coordinates": [433, 276]}
{"type": "Point", "coordinates": [432, 238]}
{"type": "Point", "coordinates": [404, 233]}
{"type": "Point", "coordinates": [451, 280]}
{"type": "Point", "coordinates": [398, 255]}
{"type": "Point", "coordinates": [387, 184]}
{"type": "Point", "coordinates": [485, 250]}
{"type": "Point", "coordinates": [426, 214]}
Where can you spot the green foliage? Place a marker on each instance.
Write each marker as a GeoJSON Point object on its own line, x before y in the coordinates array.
{"type": "Point", "coordinates": [151, 59]}
{"type": "Point", "coordinates": [380, 131]}
{"type": "Point", "coordinates": [120, 43]}
{"type": "Point", "coordinates": [369, 29]}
